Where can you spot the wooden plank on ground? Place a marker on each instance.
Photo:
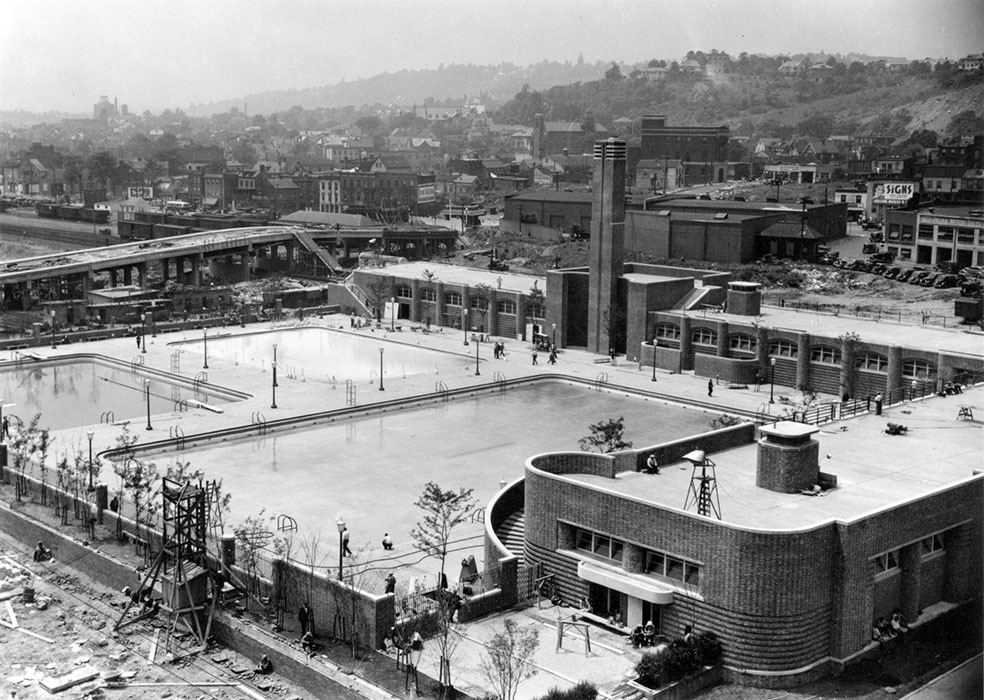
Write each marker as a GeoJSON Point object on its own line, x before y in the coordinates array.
{"type": "Point", "coordinates": [153, 646]}
{"type": "Point", "coordinates": [10, 611]}
{"type": "Point", "coordinates": [56, 684]}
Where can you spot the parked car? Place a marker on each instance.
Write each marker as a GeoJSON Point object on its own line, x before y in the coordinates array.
{"type": "Point", "coordinates": [930, 279]}
{"type": "Point", "coordinates": [971, 288]}
{"type": "Point", "coordinates": [870, 225]}
{"type": "Point", "coordinates": [972, 273]}
{"type": "Point", "coordinates": [884, 257]}
{"type": "Point", "coordinates": [869, 248]}
{"type": "Point", "coordinates": [877, 268]}
{"type": "Point", "coordinates": [919, 276]}
{"type": "Point", "coordinates": [892, 273]}
{"type": "Point", "coordinates": [946, 281]}
{"type": "Point", "coordinates": [841, 262]}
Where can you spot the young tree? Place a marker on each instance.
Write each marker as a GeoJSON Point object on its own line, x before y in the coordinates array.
{"type": "Point", "coordinates": [484, 294]}
{"type": "Point", "coordinates": [606, 436]}
{"type": "Point", "coordinates": [443, 511]}
{"type": "Point", "coordinates": [378, 291]}
{"type": "Point", "coordinates": [509, 658]}
{"type": "Point", "coordinates": [251, 535]}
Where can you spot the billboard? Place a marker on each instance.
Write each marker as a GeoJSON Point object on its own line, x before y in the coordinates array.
{"type": "Point", "coordinates": [893, 193]}
{"type": "Point", "coordinates": [142, 192]}
{"type": "Point", "coordinates": [425, 193]}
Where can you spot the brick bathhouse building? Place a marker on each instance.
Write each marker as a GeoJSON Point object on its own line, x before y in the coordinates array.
{"type": "Point", "coordinates": [791, 583]}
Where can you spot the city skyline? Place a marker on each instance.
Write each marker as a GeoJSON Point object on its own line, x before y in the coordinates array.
{"type": "Point", "coordinates": [60, 57]}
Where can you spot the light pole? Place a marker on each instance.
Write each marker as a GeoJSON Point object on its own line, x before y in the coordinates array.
{"type": "Point", "coordinates": [275, 364]}
{"type": "Point", "coordinates": [341, 548]}
{"type": "Point", "coordinates": [477, 346]}
{"type": "Point", "coordinates": [772, 381]}
{"type": "Point", "coordinates": [553, 334]}
{"type": "Point", "coordinates": [205, 340]}
{"type": "Point", "coordinates": [273, 385]}
{"type": "Point", "coordinates": [381, 368]}
{"type": "Point", "coordinates": [654, 359]}
{"type": "Point", "coordinates": [392, 314]}
{"type": "Point", "coordinates": [143, 333]}
{"type": "Point", "coordinates": [54, 346]}
{"type": "Point", "coordinates": [147, 391]}
{"type": "Point", "coordinates": [89, 434]}
{"type": "Point", "coordinates": [464, 324]}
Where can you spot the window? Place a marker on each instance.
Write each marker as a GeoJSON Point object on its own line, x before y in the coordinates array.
{"type": "Point", "coordinates": [452, 299]}
{"type": "Point", "coordinates": [965, 235]}
{"type": "Point", "coordinates": [825, 355]}
{"type": "Point", "coordinates": [925, 231]}
{"type": "Point", "coordinates": [404, 292]}
{"type": "Point", "coordinates": [674, 568]}
{"type": "Point", "coordinates": [704, 336]}
{"type": "Point", "coordinates": [478, 303]}
{"type": "Point", "coordinates": [930, 545]}
{"type": "Point", "coordinates": [887, 562]}
{"type": "Point", "coordinates": [535, 311]}
{"type": "Point", "coordinates": [667, 331]}
{"type": "Point", "coordinates": [743, 343]}
{"type": "Point", "coordinates": [428, 295]}
{"type": "Point", "coordinates": [918, 369]}
{"type": "Point", "coordinates": [873, 362]}
{"type": "Point", "coordinates": [783, 348]}
{"type": "Point", "coordinates": [599, 545]}
{"type": "Point", "coordinates": [506, 307]}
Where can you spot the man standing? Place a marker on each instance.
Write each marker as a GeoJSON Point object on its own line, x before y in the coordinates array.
{"type": "Point", "coordinates": [345, 543]}
{"type": "Point", "coordinates": [303, 617]}
{"type": "Point", "coordinates": [391, 583]}
{"type": "Point", "coordinates": [710, 387]}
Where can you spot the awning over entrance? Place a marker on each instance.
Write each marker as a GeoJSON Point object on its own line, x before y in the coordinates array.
{"type": "Point", "coordinates": [637, 586]}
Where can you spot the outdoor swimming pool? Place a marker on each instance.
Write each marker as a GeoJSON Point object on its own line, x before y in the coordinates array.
{"type": "Point", "coordinates": [371, 469]}
{"type": "Point", "coordinates": [324, 354]}
{"type": "Point", "coordinates": [71, 393]}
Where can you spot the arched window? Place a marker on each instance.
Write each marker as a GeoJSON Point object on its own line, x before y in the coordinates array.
{"type": "Point", "coordinates": [825, 355]}
{"type": "Point", "coordinates": [667, 331]}
{"type": "Point", "coordinates": [783, 348]}
{"type": "Point", "coordinates": [428, 295]}
{"type": "Point", "coordinates": [506, 307]}
{"type": "Point", "coordinates": [404, 292]}
{"type": "Point", "coordinates": [873, 362]}
{"type": "Point", "coordinates": [739, 342]}
{"type": "Point", "coordinates": [704, 336]}
{"type": "Point", "coordinates": [918, 369]}
{"type": "Point", "coordinates": [452, 299]}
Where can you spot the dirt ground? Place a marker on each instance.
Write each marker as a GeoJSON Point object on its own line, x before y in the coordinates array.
{"type": "Point", "coordinates": [69, 627]}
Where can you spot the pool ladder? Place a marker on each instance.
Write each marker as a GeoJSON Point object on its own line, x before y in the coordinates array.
{"type": "Point", "coordinates": [601, 380]}
{"type": "Point", "coordinates": [442, 389]}
{"type": "Point", "coordinates": [181, 406]}
{"type": "Point", "coordinates": [177, 434]}
{"type": "Point", "coordinates": [108, 417]}
{"type": "Point", "coordinates": [257, 419]}
{"type": "Point", "coordinates": [500, 379]}
{"type": "Point", "coordinates": [350, 392]}
{"type": "Point", "coordinates": [137, 361]}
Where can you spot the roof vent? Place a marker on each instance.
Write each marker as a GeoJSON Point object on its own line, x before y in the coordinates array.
{"type": "Point", "coordinates": [721, 215]}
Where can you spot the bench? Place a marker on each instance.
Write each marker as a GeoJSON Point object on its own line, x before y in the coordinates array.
{"type": "Point", "coordinates": [965, 413]}
{"type": "Point", "coordinates": [601, 622]}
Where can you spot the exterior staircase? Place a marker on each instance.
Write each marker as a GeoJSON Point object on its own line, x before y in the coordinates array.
{"type": "Point", "coordinates": [511, 533]}
{"type": "Point", "coordinates": [692, 300]}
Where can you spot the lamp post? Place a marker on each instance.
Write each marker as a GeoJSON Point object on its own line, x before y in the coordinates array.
{"type": "Point", "coordinates": [54, 346]}
{"type": "Point", "coordinates": [772, 381]}
{"type": "Point", "coordinates": [392, 314]}
{"type": "Point", "coordinates": [275, 364]}
{"type": "Point", "coordinates": [205, 340]}
{"type": "Point", "coordinates": [273, 385]}
{"type": "Point", "coordinates": [477, 346]}
{"type": "Point", "coordinates": [147, 391]}
{"type": "Point", "coordinates": [341, 548]}
{"type": "Point", "coordinates": [464, 324]}
{"type": "Point", "coordinates": [654, 359]}
{"type": "Point", "coordinates": [89, 434]}
{"type": "Point", "coordinates": [381, 388]}
{"type": "Point", "coordinates": [143, 333]}
{"type": "Point", "coordinates": [553, 334]}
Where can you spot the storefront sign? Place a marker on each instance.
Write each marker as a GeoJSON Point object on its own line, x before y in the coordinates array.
{"type": "Point", "coordinates": [893, 193]}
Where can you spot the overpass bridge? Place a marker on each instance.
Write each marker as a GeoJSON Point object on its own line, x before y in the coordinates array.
{"type": "Point", "coordinates": [235, 253]}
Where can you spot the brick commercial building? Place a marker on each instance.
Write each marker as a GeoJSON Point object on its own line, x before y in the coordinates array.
{"type": "Point", "coordinates": [691, 144]}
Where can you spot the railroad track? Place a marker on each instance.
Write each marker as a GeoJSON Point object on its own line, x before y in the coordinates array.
{"type": "Point", "coordinates": [28, 229]}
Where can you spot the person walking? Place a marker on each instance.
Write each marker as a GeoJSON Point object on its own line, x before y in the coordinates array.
{"type": "Point", "coordinates": [391, 583]}
{"type": "Point", "coordinates": [710, 387]}
{"type": "Point", "coordinates": [345, 543]}
{"type": "Point", "coordinates": [534, 357]}
{"type": "Point", "coordinates": [303, 617]}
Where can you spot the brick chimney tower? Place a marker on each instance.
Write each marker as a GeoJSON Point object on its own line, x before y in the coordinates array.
{"type": "Point", "coordinates": [607, 242]}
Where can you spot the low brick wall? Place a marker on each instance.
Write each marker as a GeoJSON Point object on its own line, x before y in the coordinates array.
{"type": "Point", "coordinates": [683, 688]}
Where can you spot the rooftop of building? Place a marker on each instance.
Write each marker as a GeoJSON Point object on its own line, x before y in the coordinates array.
{"type": "Point", "coordinates": [875, 471]}
{"type": "Point", "coordinates": [455, 274]}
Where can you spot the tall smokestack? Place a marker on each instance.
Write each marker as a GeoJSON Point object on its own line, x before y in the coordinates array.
{"type": "Point", "coordinates": [607, 244]}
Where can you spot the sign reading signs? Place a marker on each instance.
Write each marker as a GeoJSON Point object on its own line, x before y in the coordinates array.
{"type": "Point", "coordinates": [143, 192]}
{"type": "Point", "coordinates": [426, 193]}
{"type": "Point", "coordinates": [893, 193]}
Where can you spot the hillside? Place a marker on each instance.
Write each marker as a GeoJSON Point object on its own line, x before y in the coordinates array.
{"type": "Point", "coordinates": [496, 84]}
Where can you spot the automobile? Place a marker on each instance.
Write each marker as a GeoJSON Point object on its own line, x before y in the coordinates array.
{"type": "Point", "coordinates": [892, 273]}
{"type": "Point", "coordinates": [828, 258]}
{"type": "Point", "coordinates": [971, 288]}
{"type": "Point", "coordinates": [877, 268]}
{"type": "Point", "coordinates": [869, 248]}
{"type": "Point", "coordinates": [972, 273]}
{"type": "Point", "coordinates": [917, 277]}
{"type": "Point", "coordinates": [876, 237]}
{"type": "Point", "coordinates": [870, 225]}
{"type": "Point", "coordinates": [859, 265]}
{"type": "Point", "coordinates": [946, 281]}
{"type": "Point", "coordinates": [842, 262]}
{"type": "Point", "coordinates": [883, 257]}
{"type": "Point", "coordinates": [930, 279]}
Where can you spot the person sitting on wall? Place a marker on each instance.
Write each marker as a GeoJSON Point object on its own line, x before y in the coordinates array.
{"type": "Point", "coordinates": [265, 667]}
{"type": "Point", "coordinates": [638, 637]}
{"type": "Point", "coordinates": [649, 634]}
{"type": "Point", "coordinates": [42, 553]}
{"type": "Point", "coordinates": [899, 625]}
{"type": "Point", "coordinates": [882, 631]}
{"type": "Point", "coordinates": [307, 643]}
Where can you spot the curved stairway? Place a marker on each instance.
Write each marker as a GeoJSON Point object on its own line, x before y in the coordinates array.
{"type": "Point", "coordinates": [511, 532]}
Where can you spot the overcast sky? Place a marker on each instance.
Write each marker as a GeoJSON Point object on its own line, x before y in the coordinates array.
{"type": "Point", "coordinates": [62, 54]}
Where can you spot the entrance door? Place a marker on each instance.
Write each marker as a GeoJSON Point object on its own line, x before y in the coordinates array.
{"type": "Point", "coordinates": [654, 613]}
{"type": "Point", "coordinates": [607, 602]}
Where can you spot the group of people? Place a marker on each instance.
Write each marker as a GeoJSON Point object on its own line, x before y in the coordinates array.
{"type": "Point", "coordinates": [643, 635]}
{"type": "Point", "coordinates": [950, 389]}
{"type": "Point", "coordinates": [498, 350]}
{"type": "Point", "coordinates": [884, 630]}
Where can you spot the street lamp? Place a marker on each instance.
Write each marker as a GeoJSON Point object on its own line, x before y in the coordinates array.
{"type": "Point", "coordinates": [654, 359]}
{"type": "Point", "coordinates": [147, 391]}
{"type": "Point", "coordinates": [381, 368]}
{"type": "Point", "coordinates": [143, 333]}
{"type": "Point", "coordinates": [54, 346]}
{"type": "Point", "coordinates": [392, 314]}
{"type": "Point", "coordinates": [464, 324]}
{"type": "Point", "coordinates": [89, 434]}
{"type": "Point", "coordinates": [477, 346]}
{"type": "Point", "coordinates": [341, 547]}
{"type": "Point", "coordinates": [205, 340]}
{"type": "Point", "coordinates": [553, 334]}
{"type": "Point", "coordinates": [275, 364]}
{"type": "Point", "coordinates": [273, 386]}
{"type": "Point", "coordinates": [772, 381]}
